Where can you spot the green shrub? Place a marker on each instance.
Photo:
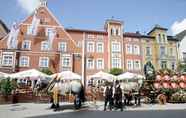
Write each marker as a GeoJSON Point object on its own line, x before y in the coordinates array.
{"type": "Point", "coordinates": [6, 86]}
{"type": "Point", "coordinates": [47, 71]}
{"type": "Point", "coordinates": [116, 71]}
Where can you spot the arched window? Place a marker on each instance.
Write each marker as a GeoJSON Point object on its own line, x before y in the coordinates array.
{"type": "Point", "coordinates": [117, 32]}
{"type": "Point", "coordinates": [111, 31]}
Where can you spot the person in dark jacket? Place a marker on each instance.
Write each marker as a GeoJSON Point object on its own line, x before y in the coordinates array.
{"type": "Point", "coordinates": [118, 97]}
{"type": "Point", "coordinates": [108, 93]}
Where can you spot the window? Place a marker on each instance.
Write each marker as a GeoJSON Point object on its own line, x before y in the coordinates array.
{"type": "Point", "coordinates": [90, 46]}
{"type": "Point", "coordinates": [7, 60]}
{"type": "Point", "coordinates": [129, 49]}
{"type": "Point", "coordinates": [24, 61]}
{"type": "Point", "coordinates": [171, 52]}
{"type": "Point", "coordinates": [30, 30]}
{"type": "Point", "coordinates": [49, 31]}
{"type": "Point", "coordinates": [148, 51]}
{"type": "Point", "coordinates": [26, 44]}
{"type": "Point", "coordinates": [164, 38]}
{"type": "Point", "coordinates": [163, 64]}
{"type": "Point", "coordinates": [43, 62]}
{"type": "Point", "coordinates": [116, 62]}
{"type": "Point", "coordinates": [90, 63]}
{"type": "Point", "coordinates": [79, 44]}
{"type": "Point", "coordinates": [129, 64]}
{"type": "Point", "coordinates": [62, 46]}
{"type": "Point", "coordinates": [117, 32]}
{"type": "Point", "coordinates": [100, 47]}
{"type": "Point", "coordinates": [111, 31]}
{"type": "Point", "coordinates": [44, 46]}
{"type": "Point", "coordinates": [136, 49]}
{"type": "Point", "coordinates": [116, 47]}
{"type": "Point", "coordinates": [162, 51]}
{"type": "Point", "coordinates": [159, 38]}
{"type": "Point", "coordinates": [66, 62]}
{"type": "Point", "coordinates": [100, 64]}
{"type": "Point", "coordinates": [137, 65]}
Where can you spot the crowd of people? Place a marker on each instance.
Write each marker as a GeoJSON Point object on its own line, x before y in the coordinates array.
{"type": "Point", "coordinates": [115, 98]}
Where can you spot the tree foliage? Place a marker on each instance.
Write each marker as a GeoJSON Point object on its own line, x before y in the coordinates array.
{"type": "Point", "coordinates": [47, 71]}
{"type": "Point", "coordinates": [116, 71]}
{"type": "Point", "coordinates": [6, 86]}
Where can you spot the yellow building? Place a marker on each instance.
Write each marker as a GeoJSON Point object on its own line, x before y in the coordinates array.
{"type": "Point", "coordinates": [163, 49]}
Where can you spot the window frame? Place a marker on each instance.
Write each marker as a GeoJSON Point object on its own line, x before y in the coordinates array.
{"type": "Point", "coordinates": [29, 44]}
{"type": "Point", "coordinates": [97, 47]}
{"type": "Point", "coordinates": [117, 47]}
{"type": "Point", "coordinates": [65, 46]}
{"type": "Point", "coordinates": [131, 65]}
{"type": "Point", "coordinates": [88, 46]}
{"type": "Point", "coordinates": [41, 59]}
{"type": "Point", "coordinates": [7, 64]}
{"type": "Point", "coordinates": [116, 64]}
{"type": "Point", "coordinates": [88, 65]}
{"type": "Point", "coordinates": [97, 64]}
{"type": "Point", "coordinates": [42, 46]}
{"type": "Point", "coordinates": [23, 64]}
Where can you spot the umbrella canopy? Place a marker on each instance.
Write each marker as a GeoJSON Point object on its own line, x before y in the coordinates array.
{"type": "Point", "coordinates": [129, 86]}
{"type": "Point", "coordinates": [3, 75]}
{"type": "Point", "coordinates": [103, 76]}
{"type": "Point", "coordinates": [32, 74]}
{"type": "Point", "coordinates": [67, 75]}
{"type": "Point", "coordinates": [127, 76]}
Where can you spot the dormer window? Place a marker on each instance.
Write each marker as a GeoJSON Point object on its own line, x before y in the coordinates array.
{"type": "Point", "coordinates": [26, 45]}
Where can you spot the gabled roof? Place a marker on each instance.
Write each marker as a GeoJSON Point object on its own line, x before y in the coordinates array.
{"type": "Point", "coordinates": [157, 27]}
{"type": "Point", "coordinates": [181, 35]}
{"type": "Point", "coordinates": [172, 38]}
{"type": "Point", "coordinates": [4, 26]}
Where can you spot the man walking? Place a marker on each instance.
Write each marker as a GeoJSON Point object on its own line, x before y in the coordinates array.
{"type": "Point", "coordinates": [118, 97]}
{"type": "Point", "coordinates": [108, 93]}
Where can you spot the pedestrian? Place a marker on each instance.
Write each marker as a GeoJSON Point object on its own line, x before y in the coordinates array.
{"type": "Point", "coordinates": [108, 93]}
{"type": "Point", "coordinates": [118, 97]}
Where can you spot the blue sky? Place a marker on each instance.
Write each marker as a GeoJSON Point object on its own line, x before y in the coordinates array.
{"type": "Point", "coordinates": [139, 15]}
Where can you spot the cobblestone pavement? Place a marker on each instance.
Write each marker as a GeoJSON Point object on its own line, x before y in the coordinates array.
{"type": "Point", "coordinates": [23, 110]}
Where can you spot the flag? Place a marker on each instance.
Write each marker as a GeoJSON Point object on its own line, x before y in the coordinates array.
{"type": "Point", "coordinates": [51, 33]}
{"type": "Point", "coordinates": [12, 39]}
{"type": "Point", "coordinates": [34, 25]}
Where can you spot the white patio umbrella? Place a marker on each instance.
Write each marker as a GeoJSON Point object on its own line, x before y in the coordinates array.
{"type": "Point", "coordinates": [103, 76]}
{"type": "Point", "coordinates": [127, 76]}
{"type": "Point", "coordinates": [129, 86]}
{"type": "Point", "coordinates": [32, 73]}
{"type": "Point", "coordinates": [67, 75]}
{"type": "Point", "coordinates": [3, 75]}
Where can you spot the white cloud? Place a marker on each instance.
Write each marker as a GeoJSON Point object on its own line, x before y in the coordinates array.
{"type": "Point", "coordinates": [178, 26]}
{"type": "Point", "coordinates": [28, 5]}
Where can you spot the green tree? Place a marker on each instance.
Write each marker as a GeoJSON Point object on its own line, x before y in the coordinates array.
{"type": "Point", "coordinates": [116, 71]}
{"type": "Point", "coordinates": [47, 71]}
{"type": "Point", "coordinates": [6, 87]}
